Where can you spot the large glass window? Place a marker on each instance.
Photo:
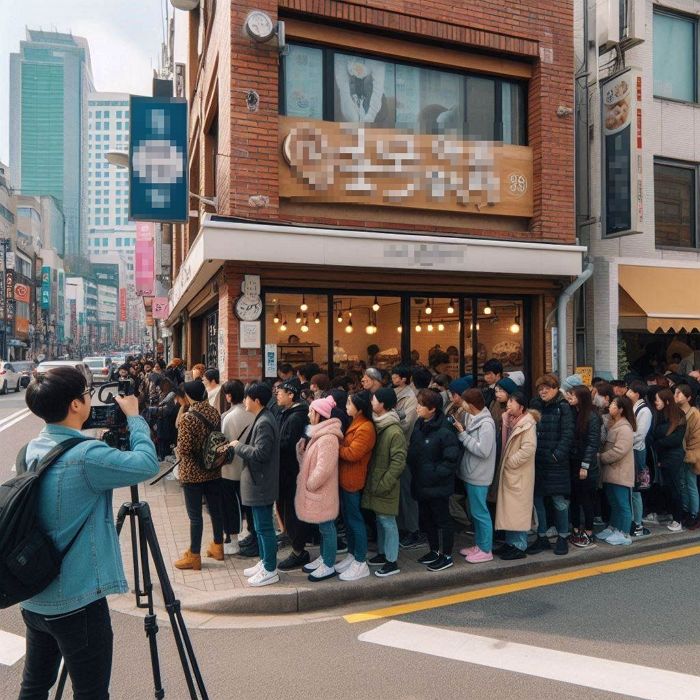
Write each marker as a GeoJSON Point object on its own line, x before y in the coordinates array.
{"type": "Point", "coordinates": [303, 89]}
{"type": "Point", "coordinates": [435, 334]}
{"type": "Point", "coordinates": [674, 205]}
{"type": "Point", "coordinates": [675, 56]}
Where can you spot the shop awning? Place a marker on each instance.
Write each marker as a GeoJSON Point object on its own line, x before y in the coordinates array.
{"type": "Point", "coordinates": [661, 298]}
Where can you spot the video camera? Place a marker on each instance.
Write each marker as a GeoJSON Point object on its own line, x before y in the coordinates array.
{"type": "Point", "coordinates": [109, 415]}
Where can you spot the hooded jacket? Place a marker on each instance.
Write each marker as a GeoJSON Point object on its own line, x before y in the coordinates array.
{"type": "Point", "coordinates": [479, 441]}
{"type": "Point", "coordinates": [355, 453]}
{"type": "Point", "coordinates": [292, 422]}
{"type": "Point", "coordinates": [616, 455]}
{"type": "Point", "coordinates": [406, 405]}
{"type": "Point", "coordinates": [235, 425]}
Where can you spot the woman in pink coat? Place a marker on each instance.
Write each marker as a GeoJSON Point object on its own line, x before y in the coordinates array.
{"type": "Point", "coordinates": [316, 499]}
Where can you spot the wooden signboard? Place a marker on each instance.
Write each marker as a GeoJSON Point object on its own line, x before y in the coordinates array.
{"type": "Point", "coordinates": [586, 374]}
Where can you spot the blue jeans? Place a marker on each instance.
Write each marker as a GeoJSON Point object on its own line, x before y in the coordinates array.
{"type": "Point", "coordinates": [267, 540]}
{"type": "Point", "coordinates": [329, 542]}
{"type": "Point", "coordinates": [689, 494]}
{"type": "Point", "coordinates": [517, 539]}
{"type": "Point", "coordinates": [640, 460]}
{"type": "Point", "coordinates": [355, 528]}
{"type": "Point", "coordinates": [561, 515]}
{"type": "Point", "coordinates": [481, 517]}
{"type": "Point", "coordinates": [388, 536]}
{"type": "Point", "coordinates": [620, 500]}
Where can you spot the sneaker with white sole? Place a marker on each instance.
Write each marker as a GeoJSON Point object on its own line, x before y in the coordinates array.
{"type": "Point", "coordinates": [356, 571]}
{"type": "Point", "coordinates": [552, 532]}
{"type": "Point", "coordinates": [651, 519]}
{"type": "Point", "coordinates": [252, 570]}
{"type": "Point", "coordinates": [264, 578]}
{"type": "Point", "coordinates": [321, 573]}
{"type": "Point", "coordinates": [231, 548]}
{"type": "Point", "coordinates": [604, 534]}
{"type": "Point", "coordinates": [344, 564]}
{"type": "Point", "coordinates": [619, 538]}
{"type": "Point", "coordinates": [312, 566]}
{"type": "Point", "coordinates": [675, 526]}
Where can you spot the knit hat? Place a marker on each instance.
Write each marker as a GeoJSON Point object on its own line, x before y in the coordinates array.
{"type": "Point", "coordinates": [195, 390]}
{"type": "Point", "coordinates": [570, 382]}
{"type": "Point", "coordinates": [508, 385]}
{"type": "Point", "coordinates": [386, 397]}
{"type": "Point", "coordinates": [291, 386]}
{"type": "Point", "coordinates": [323, 406]}
{"type": "Point", "coordinates": [374, 373]}
{"type": "Point", "coordinates": [518, 377]}
{"type": "Point", "coordinates": [458, 386]}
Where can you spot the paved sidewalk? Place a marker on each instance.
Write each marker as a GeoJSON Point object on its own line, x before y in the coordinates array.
{"type": "Point", "coordinates": [220, 587]}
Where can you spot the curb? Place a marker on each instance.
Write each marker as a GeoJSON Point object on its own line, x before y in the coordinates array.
{"type": "Point", "coordinates": [331, 594]}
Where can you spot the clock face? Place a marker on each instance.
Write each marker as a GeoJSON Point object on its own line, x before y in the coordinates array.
{"type": "Point", "coordinates": [248, 308]}
{"type": "Point", "coordinates": [259, 25]}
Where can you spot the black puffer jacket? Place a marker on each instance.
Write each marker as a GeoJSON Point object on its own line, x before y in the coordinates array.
{"type": "Point", "coordinates": [555, 435]}
{"type": "Point", "coordinates": [585, 447]}
{"type": "Point", "coordinates": [670, 452]}
{"type": "Point", "coordinates": [433, 457]}
{"type": "Point", "coordinates": [292, 423]}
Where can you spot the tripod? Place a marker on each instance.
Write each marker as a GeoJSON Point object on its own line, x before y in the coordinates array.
{"type": "Point", "coordinates": [146, 541]}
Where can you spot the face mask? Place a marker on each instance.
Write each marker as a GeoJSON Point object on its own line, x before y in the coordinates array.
{"type": "Point", "coordinates": [307, 431]}
{"type": "Point", "coordinates": [598, 401]}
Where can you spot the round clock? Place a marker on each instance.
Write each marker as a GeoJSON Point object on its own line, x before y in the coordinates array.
{"type": "Point", "coordinates": [259, 25]}
{"type": "Point", "coordinates": [248, 308]}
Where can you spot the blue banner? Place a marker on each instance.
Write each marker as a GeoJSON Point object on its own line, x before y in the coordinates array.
{"type": "Point", "coordinates": [158, 159]}
{"type": "Point", "coordinates": [45, 287]}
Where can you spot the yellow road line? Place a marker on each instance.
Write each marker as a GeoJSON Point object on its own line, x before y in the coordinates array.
{"type": "Point", "coordinates": [524, 585]}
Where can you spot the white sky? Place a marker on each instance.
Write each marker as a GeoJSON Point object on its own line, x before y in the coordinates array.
{"type": "Point", "coordinates": [124, 38]}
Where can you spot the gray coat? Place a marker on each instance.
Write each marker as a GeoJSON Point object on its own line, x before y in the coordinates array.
{"type": "Point", "coordinates": [479, 442]}
{"type": "Point", "coordinates": [261, 461]}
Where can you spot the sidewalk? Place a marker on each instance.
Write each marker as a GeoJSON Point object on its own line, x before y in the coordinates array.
{"type": "Point", "coordinates": [220, 587]}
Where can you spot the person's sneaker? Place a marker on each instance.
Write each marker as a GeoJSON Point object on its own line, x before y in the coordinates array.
{"type": "Point", "coordinates": [582, 540]}
{"type": "Point", "coordinates": [379, 560]}
{"type": "Point", "coordinates": [312, 566]}
{"type": "Point", "coordinates": [342, 546]}
{"type": "Point", "coordinates": [501, 550]}
{"type": "Point", "coordinates": [356, 571]}
{"type": "Point", "coordinates": [638, 532]}
{"type": "Point", "coordinates": [252, 570]}
{"type": "Point", "coordinates": [412, 540]}
{"type": "Point", "coordinates": [574, 537]}
{"type": "Point", "coordinates": [247, 541]}
{"type": "Point", "coordinates": [231, 548]}
{"type": "Point", "coordinates": [675, 526]}
{"type": "Point", "coordinates": [294, 561]}
{"type": "Point", "coordinates": [552, 532]}
{"type": "Point", "coordinates": [428, 558]}
{"type": "Point", "coordinates": [561, 547]}
{"type": "Point", "coordinates": [619, 538]}
{"type": "Point", "coordinates": [345, 563]}
{"type": "Point", "coordinates": [251, 550]}
{"type": "Point", "coordinates": [665, 518]}
{"type": "Point", "coordinates": [466, 551]}
{"type": "Point", "coordinates": [512, 554]}
{"type": "Point", "coordinates": [264, 578]}
{"type": "Point", "coordinates": [539, 545]}
{"type": "Point", "coordinates": [443, 562]}
{"type": "Point", "coordinates": [321, 573]}
{"type": "Point", "coordinates": [597, 520]}
{"type": "Point", "coordinates": [479, 557]}
{"type": "Point", "coordinates": [604, 534]}
{"type": "Point", "coordinates": [651, 519]}
{"type": "Point", "coordinates": [389, 569]}
{"type": "Point", "coordinates": [695, 523]}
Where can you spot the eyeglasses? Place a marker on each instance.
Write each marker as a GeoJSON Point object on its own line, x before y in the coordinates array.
{"type": "Point", "coordinates": [88, 391]}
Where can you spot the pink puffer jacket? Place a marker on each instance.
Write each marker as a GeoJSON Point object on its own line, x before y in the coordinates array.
{"type": "Point", "coordinates": [316, 500]}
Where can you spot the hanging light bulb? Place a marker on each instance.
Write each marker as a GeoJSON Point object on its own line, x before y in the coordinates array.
{"type": "Point", "coordinates": [375, 306]}
{"type": "Point", "coordinates": [487, 309]}
{"type": "Point", "coordinates": [515, 326]}
{"type": "Point", "coordinates": [317, 318]}
{"type": "Point", "coordinates": [349, 328]}
{"type": "Point", "coordinates": [441, 326]}
{"type": "Point", "coordinates": [304, 306]}
{"type": "Point", "coordinates": [430, 328]}
{"type": "Point", "coordinates": [276, 318]}
{"type": "Point", "coordinates": [340, 316]}
{"type": "Point", "coordinates": [399, 329]}
{"type": "Point", "coordinates": [450, 307]}
{"type": "Point", "coordinates": [305, 325]}
{"type": "Point", "coordinates": [298, 318]}
{"type": "Point", "coordinates": [419, 328]}
{"type": "Point", "coordinates": [283, 327]}
{"type": "Point", "coordinates": [428, 308]}
{"type": "Point", "coordinates": [477, 325]}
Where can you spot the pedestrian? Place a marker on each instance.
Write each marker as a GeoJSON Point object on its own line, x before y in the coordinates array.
{"type": "Point", "coordinates": [516, 481]}
{"type": "Point", "coordinates": [583, 464]}
{"type": "Point", "coordinates": [175, 372]}
{"type": "Point", "coordinates": [498, 410]}
{"type": "Point", "coordinates": [165, 414]}
{"type": "Point", "coordinates": [319, 385]}
{"type": "Point", "coordinates": [198, 371]}
{"type": "Point", "coordinates": [260, 452]}
{"type": "Point", "coordinates": [433, 458]}
{"type": "Point", "coordinates": [354, 455]}
{"type": "Point", "coordinates": [617, 462]}
{"type": "Point", "coordinates": [420, 378]}
{"type": "Point", "coordinates": [197, 482]}
{"type": "Point", "coordinates": [372, 380]}
{"type": "Point", "coordinates": [493, 371]}
{"type": "Point", "coordinates": [478, 438]}
{"type": "Point", "coordinates": [441, 384]}
{"type": "Point", "coordinates": [555, 433]}
{"type": "Point", "coordinates": [642, 414]}
{"type": "Point", "coordinates": [457, 387]}
{"type": "Point", "coordinates": [683, 396]}
{"type": "Point", "coordinates": [215, 396]}
{"type": "Point", "coordinates": [381, 494]}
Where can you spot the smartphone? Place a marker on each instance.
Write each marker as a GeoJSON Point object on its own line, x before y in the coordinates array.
{"type": "Point", "coordinates": [451, 420]}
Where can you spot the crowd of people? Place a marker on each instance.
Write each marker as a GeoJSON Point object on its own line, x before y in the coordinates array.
{"type": "Point", "coordinates": [400, 461]}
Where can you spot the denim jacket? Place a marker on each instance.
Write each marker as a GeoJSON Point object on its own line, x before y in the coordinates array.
{"type": "Point", "coordinates": [77, 489]}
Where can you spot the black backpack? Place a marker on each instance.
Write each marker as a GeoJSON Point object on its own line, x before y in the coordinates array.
{"type": "Point", "coordinates": [29, 560]}
{"type": "Point", "coordinates": [214, 453]}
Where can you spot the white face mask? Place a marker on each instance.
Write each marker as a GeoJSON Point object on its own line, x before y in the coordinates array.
{"type": "Point", "coordinates": [598, 401]}
{"type": "Point", "coordinates": [307, 431]}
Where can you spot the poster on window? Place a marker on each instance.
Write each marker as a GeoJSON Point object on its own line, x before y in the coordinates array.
{"type": "Point", "coordinates": [303, 82]}
{"type": "Point", "coordinates": [621, 117]}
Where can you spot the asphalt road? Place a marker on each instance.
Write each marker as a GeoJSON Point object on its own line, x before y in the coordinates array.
{"type": "Point", "coordinates": [647, 617]}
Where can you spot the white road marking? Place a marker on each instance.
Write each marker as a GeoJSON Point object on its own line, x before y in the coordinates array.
{"type": "Point", "coordinates": [17, 419]}
{"type": "Point", "coordinates": [7, 419]}
{"type": "Point", "coordinates": [588, 671]}
{"type": "Point", "coordinates": [12, 648]}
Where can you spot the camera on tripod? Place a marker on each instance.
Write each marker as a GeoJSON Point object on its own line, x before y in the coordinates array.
{"type": "Point", "coordinates": [109, 416]}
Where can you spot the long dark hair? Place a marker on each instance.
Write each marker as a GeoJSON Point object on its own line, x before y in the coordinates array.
{"type": "Point", "coordinates": [362, 400]}
{"type": "Point", "coordinates": [671, 412]}
{"type": "Point", "coordinates": [625, 405]}
{"type": "Point", "coordinates": [584, 408]}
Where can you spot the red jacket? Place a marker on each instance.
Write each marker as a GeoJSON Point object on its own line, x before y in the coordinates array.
{"type": "Point", "coordinates": [355, 453]}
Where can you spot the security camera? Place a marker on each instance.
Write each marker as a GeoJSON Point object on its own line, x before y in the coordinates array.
{"type": "Point", "coordinates": [185, 5]}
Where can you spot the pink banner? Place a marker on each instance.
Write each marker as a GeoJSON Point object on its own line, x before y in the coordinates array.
{"type": "Point", "coordinates": [145, 230]}
{"type": "Point", "coordinates": [160, 307]}
{"type": "Point", "coordinates": [144, 258]}
{"type": "Point", "coordinates": [122, 304]}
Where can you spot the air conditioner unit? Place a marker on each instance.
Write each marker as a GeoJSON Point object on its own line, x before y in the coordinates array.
{"type": "Point", "coordinates": [607, 24]}
{"type": "Point", "coordinates": [632, 23]}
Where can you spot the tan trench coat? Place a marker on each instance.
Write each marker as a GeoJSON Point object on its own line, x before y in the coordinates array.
{"type": "Point", "coordinates": [516, 483]}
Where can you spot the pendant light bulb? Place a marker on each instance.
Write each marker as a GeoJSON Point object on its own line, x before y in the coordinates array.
{"type": "Point", "coordinates": [375, 306]}
{"type": "Point", "coordinates": [399, 329]}
{"type": "Point", "coordinates": [428, 308]}
{"type": "Point", "coordinates": [441, 326]}
{"type": "Point", "coordinates": [298, 318]}
{"type": "Point", "coordinates": [305, 325]}
{"type": "Point", "coordinates": [304, 306]}
{"type": "Point", "coordinates": [515, 326]}
{"type": "Point", "coordinates": [317, 318]}
{"type": "Point", "coordinates": [276, 318]}
{"type": "Point", "coordinates": [283, 327]}
{"type": "Point", "coordinates": [487, 309]}
{"type": "Point", "coordinates": [348, 328]}
{"type": "Point", "coordinates": [450, 307]}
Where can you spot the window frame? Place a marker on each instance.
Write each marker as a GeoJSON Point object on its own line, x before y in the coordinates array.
{"type": "Point", "coordinates": [695, 168]}
{"type": "Point", "coordinates": [676, 14]}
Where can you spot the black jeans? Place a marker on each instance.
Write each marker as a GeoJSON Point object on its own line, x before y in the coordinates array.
{"type": "Point", "coordinates": [211, 490]}
{"type": "Point", "coordinates": [435, 521]}
{"type": "Point", "coordinates": [673, 489]}
{"type": "Point", "coordinates": [83, 637]}
{"type": "Point", "coordinates": [231, 506]}
{"type": "Point", "coordinates": [299, 532]}
{"type": "Point", "coordinates": [582, 497]}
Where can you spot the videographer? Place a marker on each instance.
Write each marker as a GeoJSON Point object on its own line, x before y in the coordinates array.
{"type": "Point", "coordinates": [70, 617]}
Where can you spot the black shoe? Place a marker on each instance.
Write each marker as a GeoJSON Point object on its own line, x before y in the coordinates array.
{"type": "Point", "coordinates": [247, 541]}
{"type": "Point", "coordinates": [444, 562]}
{"type": "Point", "coordinates": [500, 551]}
{"type": "Point", "coordinates": [342, 546]}
{"type": "Point", "coordinates": [294, 561]}
{"type": "Point", "coordinates": [512, 554]}
{"type": "Point", "coordinates": [412, 540]}
{"type": "Point", "coordinates": [283, 540]}
{"type": "Point", "coordinates": [379, 560]}
{"type": "Point", "coordinates": [539, 545]}
{"type": "Point", "coordinates": [430, 558]}
{"type": "Point", "coordinates": [638, 532]}
{"type": "Point", "coordinates": [562, 546]}
{"type": "Point", "coordinates": [251, 551]}
{"type": "Point", "coordinates": [389, 569]}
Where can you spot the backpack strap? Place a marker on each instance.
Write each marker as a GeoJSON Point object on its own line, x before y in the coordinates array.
{"type": "Point", "coordinates": [21, 461]}
{"type": "Point", "coordinates": [54, 453]}
{"type": "Point", "coordinates": [204, 420]}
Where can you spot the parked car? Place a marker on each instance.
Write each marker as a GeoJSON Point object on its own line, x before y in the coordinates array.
{"type": "Point", "coordinates": [101, 367]}
{"type": "Point", "coordinates": [9, 377]}
{"type": "Point", "coordinates": [25, 369]}
{"type": "Point", "coordinates": [44, 367]}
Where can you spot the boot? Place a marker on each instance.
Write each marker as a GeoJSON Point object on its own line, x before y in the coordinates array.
{"type": "Point", "coordinates": [189, 561]}
{"type": "Point", "coordinates": [215, 551]}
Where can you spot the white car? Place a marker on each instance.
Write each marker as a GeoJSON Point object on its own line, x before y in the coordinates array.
{"type": "Point", "coordinates": [101, 368]}
{"type": "Point", "coordinates": [44, 367]}
{"type": "Point", "coordinates": [10, 378]}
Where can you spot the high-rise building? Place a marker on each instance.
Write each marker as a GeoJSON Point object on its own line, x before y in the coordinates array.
{"type": "Point", "coordinates": [50, 79]}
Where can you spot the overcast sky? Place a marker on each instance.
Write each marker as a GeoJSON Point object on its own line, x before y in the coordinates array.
{"type": "Point", "coordinates": [124, 38]}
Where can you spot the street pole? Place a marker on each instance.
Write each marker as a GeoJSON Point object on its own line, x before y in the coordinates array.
{"type": "Point", "coordinates": [5, 241]}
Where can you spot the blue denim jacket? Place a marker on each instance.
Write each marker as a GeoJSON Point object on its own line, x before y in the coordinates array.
{"type": "Point", "coordinates": [77, 489]}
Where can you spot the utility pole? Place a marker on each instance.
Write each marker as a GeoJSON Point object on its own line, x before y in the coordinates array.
{"type": "Point", "coordinates": [5, 242]}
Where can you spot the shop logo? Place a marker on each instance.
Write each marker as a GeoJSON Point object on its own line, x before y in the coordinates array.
{"type": "Point", "coordinates": [517, 183]}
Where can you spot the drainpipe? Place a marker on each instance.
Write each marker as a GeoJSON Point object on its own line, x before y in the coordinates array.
{"type": "Point", "coordinates": [561, 316]}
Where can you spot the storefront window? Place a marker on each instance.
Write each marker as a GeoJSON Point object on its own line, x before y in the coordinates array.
{"type": "Point", "coordinates": [499, 334]}
{"type": "Point", "coordinates": [303, 85]}
{"type": "Point", "coordinates": [674, 205]}
{"type": "Point", "coordinates": [435, 334]}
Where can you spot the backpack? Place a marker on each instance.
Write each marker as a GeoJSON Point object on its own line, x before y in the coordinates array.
{"type": "Point", "coordinates": [213, 454]}
{"type": "Point", "coordinates": [29, 559]}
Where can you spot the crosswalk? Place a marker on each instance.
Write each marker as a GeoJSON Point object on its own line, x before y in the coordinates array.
{"type": "Point", "coordinates": [12, 648]}
{"type": "Point", "coordinates": [14, 418]}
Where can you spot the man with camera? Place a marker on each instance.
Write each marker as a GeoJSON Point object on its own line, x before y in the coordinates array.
{"type": "Point", "coordinates": [70, 617]}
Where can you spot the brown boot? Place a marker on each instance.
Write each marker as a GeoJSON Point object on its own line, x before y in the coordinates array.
{"type": "Point", "coordinates": [189, 561]}
{"type": "Point", "coordinates": [216, 551]}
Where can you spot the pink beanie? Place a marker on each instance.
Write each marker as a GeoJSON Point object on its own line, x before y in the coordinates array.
{"type": "Point", "coordinates": [323, 406]}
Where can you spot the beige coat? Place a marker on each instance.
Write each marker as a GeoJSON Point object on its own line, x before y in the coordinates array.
{"type": "Point", "coordinates": [616, 457]}
{"type": "Point", "coordinates": [516, 483]}
{"type": "Point", "coordinates": [692, 439]}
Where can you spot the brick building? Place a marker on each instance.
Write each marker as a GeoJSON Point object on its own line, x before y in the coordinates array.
{"type": "Point", "coordinates": [395, 178]}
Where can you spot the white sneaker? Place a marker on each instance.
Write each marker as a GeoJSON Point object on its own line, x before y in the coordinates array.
{"type": "Point", "coordinates": [313, 565]}
{"type": "Point", "coordinates": [619, 538]}
{"type": "Point", "coordinates": [322, 572]}
{"type": "Point", "coordinates": [356, 571]}
{"type": "Point", "coordinates": [231, 548]}
{"type": "Point", "coordinates": [675, 526]}
{"type": "Point", "coordinates": [345, 564]}
{"type": "Point", "coordinates": [252, 570]}
{"type": "Point", "coordinates": [264, 578]}
{"type": "Point", "coordinates": [651, 519]}
{"type": "Point", "coordinates": [604, 534]}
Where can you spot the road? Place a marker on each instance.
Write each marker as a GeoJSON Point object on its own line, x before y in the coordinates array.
{"type": "Point", "coordinates": [631, 633]}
